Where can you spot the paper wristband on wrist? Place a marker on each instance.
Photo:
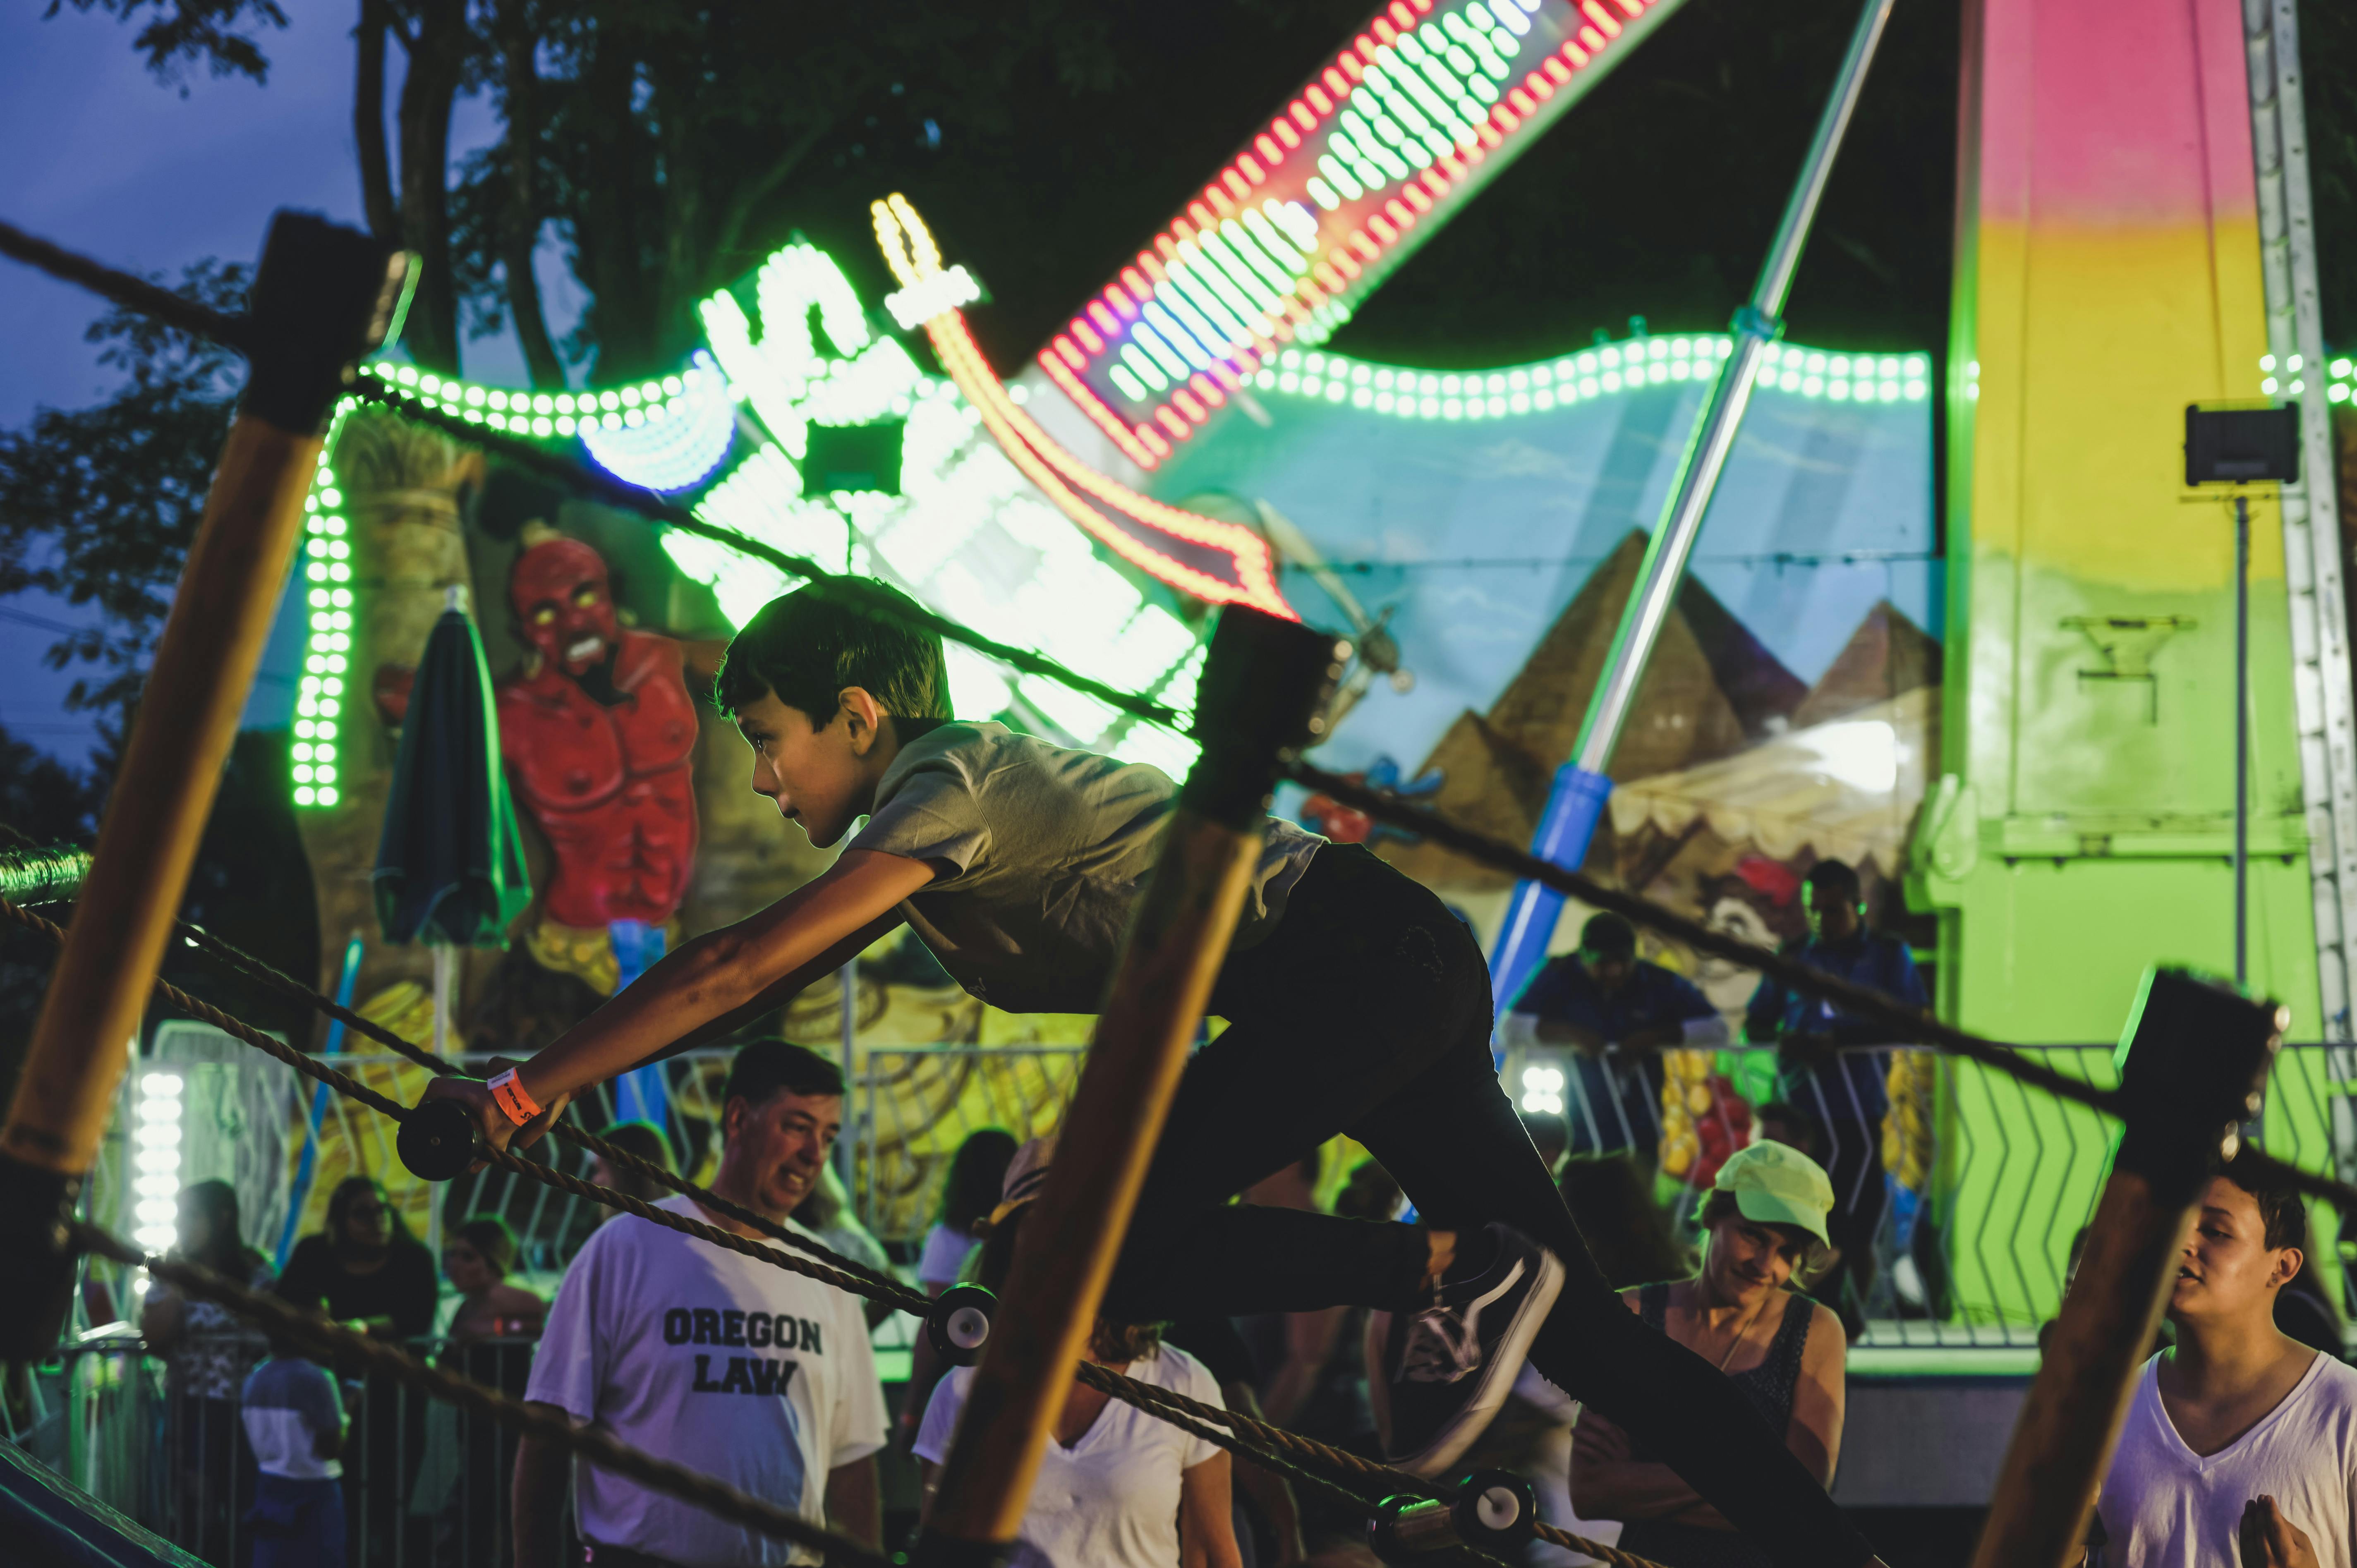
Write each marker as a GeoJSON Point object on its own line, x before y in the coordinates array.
{"type": "Point", "coordinates": [508, 1090]}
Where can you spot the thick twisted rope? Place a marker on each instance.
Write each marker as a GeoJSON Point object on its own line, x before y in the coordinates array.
{"type": "Point", "coordinates": [859, 1284]}
{"type": "Point", "coordinates": [593, 1443]}
{"type": "Point", "coordinates": [1903, 1022]}
{"type": "Point", "coordinates": [880, 1287]}
{"type": "Point", "coordinates": [125, 289]}
{"type": "Point", "coordinates": [605, 487]}
{"type": "Point", "coordinates": [1256, 1441]}
{"type": "Point", "coordinates": [176, 310]}
{"type": "Point", "coordinates": [1374, 1482]}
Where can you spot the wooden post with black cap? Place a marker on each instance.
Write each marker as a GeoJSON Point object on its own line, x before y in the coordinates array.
{"type": "Point", "coordinates": [2191, 1068]}
{"type": "Point", "coordinates": [323, 296]}
{"type": "Point", "coordinates": [1263, 684]}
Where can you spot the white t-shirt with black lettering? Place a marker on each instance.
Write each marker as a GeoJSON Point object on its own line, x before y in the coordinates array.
{"type": "Point", "coordinates": [728, 1366]}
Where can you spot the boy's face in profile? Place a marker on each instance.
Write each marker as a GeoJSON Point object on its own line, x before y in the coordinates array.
{"type": "Point", "coordinates": [2225, 1268]}
{"type": "Point", "coordinates": [816, 774]}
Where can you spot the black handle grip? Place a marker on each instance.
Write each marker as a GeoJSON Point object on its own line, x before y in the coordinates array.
{"type": "Point", "coordinates": [959, 1324]}
{"type": "Point", "coordinates": [438, 1141]}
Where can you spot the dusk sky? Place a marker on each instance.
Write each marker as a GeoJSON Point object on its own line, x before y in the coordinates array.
{"type": "Point", "coordinates": [111, 162]}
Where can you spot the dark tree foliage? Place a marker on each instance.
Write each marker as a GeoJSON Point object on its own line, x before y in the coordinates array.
{"type": "Point", "coordinates": [175, 35]}
{"type": "Point", "coordinates": [98, 504]}
{"type": "Point", "coordinates": [251, 884]}
{"type": "Point", "coordinates": [2327, 49]}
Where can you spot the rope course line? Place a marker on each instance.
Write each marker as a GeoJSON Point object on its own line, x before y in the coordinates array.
{"type": "Point", "coordinates": [505, 1159]}
{"type": "Point", "coordinates": [654, 508]}
{"type": "Point", "coordinates": [126, 289]}
{"type": "Point", "coordinates": [1904, 1022]}
{"type": "Point", "coordinates": [583, 1442]}
{"type": "Point", "coordinates": [152, 299]}
{"type": "Point", "coordinates": [1274, 1441]}
{"type": "Point", "coordinates": [1190, 1416]}
{"type": "Point", "coordinates": [883, 1288]}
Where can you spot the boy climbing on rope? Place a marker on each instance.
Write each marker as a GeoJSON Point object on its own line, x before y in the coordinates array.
{"type": "Point", "coordinates": [1355, 1002]}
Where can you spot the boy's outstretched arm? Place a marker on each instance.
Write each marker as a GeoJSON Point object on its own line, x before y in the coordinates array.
{"type": "Point", "coordinates": [716, 979]}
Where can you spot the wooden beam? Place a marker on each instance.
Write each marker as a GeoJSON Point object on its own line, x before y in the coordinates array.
{"type": "Point", "coordinates": [1263, 682]}
{"type": "Point", "coordinates": [323, 296]}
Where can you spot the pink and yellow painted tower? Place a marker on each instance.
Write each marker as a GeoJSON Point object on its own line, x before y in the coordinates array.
{"type": "Point", "coordinates": [2108, 274]}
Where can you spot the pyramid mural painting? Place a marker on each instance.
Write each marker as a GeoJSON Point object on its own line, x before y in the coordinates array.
{"type": "Point", "coordinates": [1733, 777]}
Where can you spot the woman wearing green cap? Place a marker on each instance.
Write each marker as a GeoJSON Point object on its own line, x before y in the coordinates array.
{"type": "Point", "coordinates": [1763, 1229]}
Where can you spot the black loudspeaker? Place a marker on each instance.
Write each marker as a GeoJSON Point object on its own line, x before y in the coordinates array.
{"type": "Point", "coordinates": [2241, 445]}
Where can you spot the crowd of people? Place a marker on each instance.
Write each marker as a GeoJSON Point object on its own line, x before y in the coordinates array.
{"type": "Point", "coordinates": [2240, 1431]}
{"type": "Point", "coordinates": [1460, 1298]}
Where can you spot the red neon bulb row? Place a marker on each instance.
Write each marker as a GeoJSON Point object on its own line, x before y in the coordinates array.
{"type": "Point", "coordinates": [1088, 334]}
{"type": "Point", "coordinates": [1058, 475]}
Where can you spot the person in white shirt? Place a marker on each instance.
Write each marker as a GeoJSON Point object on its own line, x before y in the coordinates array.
{"type": "Point", "coordinates": [1117, 1488]}
{"type": "Point", "coordinates": [2239, 1449]}
{"type": "Point", "coordinates": [731, 1366]}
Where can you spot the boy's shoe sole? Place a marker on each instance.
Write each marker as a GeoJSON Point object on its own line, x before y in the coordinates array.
{"type": "Point", "coordinates": [1452, 1367]}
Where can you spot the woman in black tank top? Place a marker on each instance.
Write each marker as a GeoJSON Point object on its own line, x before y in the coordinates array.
{"type": "Point", "coordinates": [1743, 1313]}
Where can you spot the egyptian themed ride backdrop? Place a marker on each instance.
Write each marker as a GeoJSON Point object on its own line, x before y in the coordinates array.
{"type": "Point", "coordinates": [1946, 698]}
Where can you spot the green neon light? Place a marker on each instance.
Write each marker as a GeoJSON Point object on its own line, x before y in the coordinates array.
{"type": "Point", "coordinates": [1588, 375]}
{"type": "Point", "coordinates": [324, 578]}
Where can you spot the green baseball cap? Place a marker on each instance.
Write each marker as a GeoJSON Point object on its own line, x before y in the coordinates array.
{"type": "Point", "coordinates": [1775, 1184]}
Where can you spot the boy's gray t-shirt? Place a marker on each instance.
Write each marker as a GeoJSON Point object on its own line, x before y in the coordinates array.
{"type": "Point", "coordinates": [1045, 851]}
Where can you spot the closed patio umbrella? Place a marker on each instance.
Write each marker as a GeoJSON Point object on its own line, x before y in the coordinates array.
{"type": "Point", "coordinates": [449, 866]}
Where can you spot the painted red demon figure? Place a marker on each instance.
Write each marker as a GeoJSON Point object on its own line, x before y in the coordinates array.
{"type": "Point", "coordinates": [597, 731]}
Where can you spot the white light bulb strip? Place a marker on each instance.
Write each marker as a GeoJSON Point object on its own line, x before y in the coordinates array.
{"type": "Point", "coordinates": [155, 1161]}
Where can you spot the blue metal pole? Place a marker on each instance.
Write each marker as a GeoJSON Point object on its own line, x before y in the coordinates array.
{"type": "Point", "coordinates": [1581, 786]}
{"type": "Point", "coordinates": [307, 1166]}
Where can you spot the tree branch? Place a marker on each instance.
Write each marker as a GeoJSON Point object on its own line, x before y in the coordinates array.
{"type": "Point", "coordinates": [521, 230]}
{"type": "Point", "coordinates": [368, 124]}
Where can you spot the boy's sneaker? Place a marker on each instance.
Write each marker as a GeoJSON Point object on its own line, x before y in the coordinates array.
{"type": "Point", "coordinates": [1450, 1364]}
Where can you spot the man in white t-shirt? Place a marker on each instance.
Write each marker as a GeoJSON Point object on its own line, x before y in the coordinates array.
{"type": "Point", "coordinates": [2239, 1449]}
{"type": "Point", "coordinates": [731, 1366]}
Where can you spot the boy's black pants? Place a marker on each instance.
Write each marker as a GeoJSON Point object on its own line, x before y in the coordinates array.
{"type": "Point", "coordinates": [1367, 1011]}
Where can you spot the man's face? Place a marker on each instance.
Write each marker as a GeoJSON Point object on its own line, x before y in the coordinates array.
{"type": "Point", "coordinates": [562, 601]}
{"type": "Point", "coordinates": [776, 1149]}
{"type": "Point", "coordinates": [1609, 970]}
{"type": "Point", "coordinates": [1832, 911]}
{"type": "Point", "coordinates": [812, 773]}
{"type": "Point", "coordinates": [2224, 1269]}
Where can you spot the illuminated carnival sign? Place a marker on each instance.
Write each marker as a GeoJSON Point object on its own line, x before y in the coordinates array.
{"type": "Point", "coordinates": [1224, 563]}
{"type": "Point", "coordinates": [1373, 154]}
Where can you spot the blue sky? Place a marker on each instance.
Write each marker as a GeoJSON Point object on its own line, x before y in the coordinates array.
{"type": "Point", "coordinates": [111, 162]}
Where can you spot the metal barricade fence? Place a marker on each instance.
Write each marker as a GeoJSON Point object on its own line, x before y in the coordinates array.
{"type": "Point", "coordinates": [917, 1104]}
{"type": "Point", "coordinates": [1959, 1195]}
{"type": "Point", "coordinates": [423, 1486]}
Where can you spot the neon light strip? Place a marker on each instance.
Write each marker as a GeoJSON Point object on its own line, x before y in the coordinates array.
{"type": "Point", "coordinates": [1591, 373]}
{"type": "Point", "coordinates": [1325, 199]}
{"type": "Point", "coordinates": [654, 435]}
{"type": "Point", "coordinates": [324, 575]}
{"type": "Point", "coordinates": [910, 252]}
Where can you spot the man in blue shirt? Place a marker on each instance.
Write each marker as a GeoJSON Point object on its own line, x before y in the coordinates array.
{"type": "Point", "coordinates": [1605, 998]}
{"type": "Point", "coordinates": [1844, 1094]}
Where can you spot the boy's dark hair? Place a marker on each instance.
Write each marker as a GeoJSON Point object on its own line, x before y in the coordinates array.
{"type": "Point", "coordinates": [2281, 1214]}
{"type": "Point", "coordinates": [766, 1066]}
{"type": "Point", "coordinates": [808, 645]}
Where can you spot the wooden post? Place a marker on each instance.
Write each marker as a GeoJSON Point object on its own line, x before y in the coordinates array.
{"type": "Point", "coordinates": [323, 296]}
{"type": "Point", "coordinates": [2193, 1068]}
{"type": "Point", "coordinates": [1262, 684]}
